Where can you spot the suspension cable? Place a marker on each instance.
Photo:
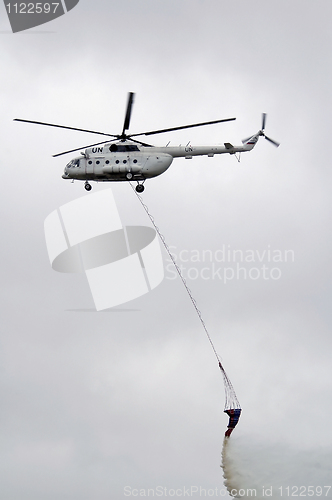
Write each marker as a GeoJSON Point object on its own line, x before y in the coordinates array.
{"type": "Point", "coordinates": [162, 238]}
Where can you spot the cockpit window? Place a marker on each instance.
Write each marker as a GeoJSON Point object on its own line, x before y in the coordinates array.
{"type": "Point", "coordinates": [73, 163]}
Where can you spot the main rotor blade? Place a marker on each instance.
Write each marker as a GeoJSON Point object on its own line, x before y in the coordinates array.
{"type": "Point", "coordinates": [83, 147]}
{"type": "Point", "coordinates": [128, 112]}
{"type": "Point", "coordinates": [275, 143]}
{"type": "Point", "coordinates": [181, 128]}
{"type": "Point", "coordinates": [63, 126]}
{"type": "Point", "coordinates": [263, 120]}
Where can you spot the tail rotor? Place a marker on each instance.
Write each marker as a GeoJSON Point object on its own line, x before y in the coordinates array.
{"type": "Point", "coordinates": [261, 133]}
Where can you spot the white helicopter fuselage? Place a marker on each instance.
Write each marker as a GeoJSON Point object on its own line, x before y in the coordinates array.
{"type": "Point", "coordinates": [117, 166]}
{"type": "Point", "coordinates": [124, 161]}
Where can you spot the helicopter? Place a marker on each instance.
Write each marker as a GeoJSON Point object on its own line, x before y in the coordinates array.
{"type": "Point", "coordinates": [126, 159]}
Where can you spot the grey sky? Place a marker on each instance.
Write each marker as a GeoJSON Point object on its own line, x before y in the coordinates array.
{"type": "Point", "coordinates": [93, 402]}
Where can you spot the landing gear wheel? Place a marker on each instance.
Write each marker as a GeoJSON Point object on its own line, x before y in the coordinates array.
{"type": "Point", "coordinates": [139, 188]}
{"type": "Point", "coordinates": [129, 176]}
{"type": "Point", "coordinates": [88, 186]}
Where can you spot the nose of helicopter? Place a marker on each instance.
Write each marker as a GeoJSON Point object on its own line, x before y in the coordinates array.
{"type": "Point", "coordinates": [65, 174]}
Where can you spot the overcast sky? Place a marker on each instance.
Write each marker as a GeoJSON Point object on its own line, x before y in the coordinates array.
{"type": "Point", "coordinates": [92, 402]}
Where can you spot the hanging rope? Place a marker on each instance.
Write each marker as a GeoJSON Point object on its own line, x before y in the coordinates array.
{"type": "Point", "coordinates": [231, 401]}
